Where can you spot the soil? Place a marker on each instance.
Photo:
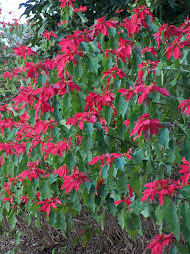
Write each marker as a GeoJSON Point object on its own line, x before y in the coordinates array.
{"type": "Point", "coordinates": [49, 240]}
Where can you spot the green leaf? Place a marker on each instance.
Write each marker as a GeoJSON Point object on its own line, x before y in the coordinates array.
{"type": "Point", "coordinates": [185, 213]}
{"type": "Point", "coordinates": [42, 79]}
{"type": "Point", "coordinates": [52, 218]}
{"type": "Point", "coordinates": [104, 171]}
{"type": "Point", "coordinates": [159, 215]}
{"type": "Point", "coordinates": [88, 129]}
{"type": "Point", "coordinates": [172, 219]}
{"type": "Point", "coordinates": [93, 64]}
{"type": "Point", "coordinates": [77, 204]}
{"type": "Point", "coordinates": [108, 114]}
{"type": "Point", "coordinates": [164, 137]}
{"type": "Point", "coordinates": [61, 221]}
{"type": "Point", "coordinates": [185, 192]}
{"type": "Point", "coordinates": [12, 220]}
{"type": "Point", "coordinates": [17, 237]}
{"type": "Point", "coordinates": [119, 163]}
{"type": "Point", "coordinates": [45, 190]}
{"type": "Point", "coordinates": [52, 178]}
{"type": "Point", "coordinates": [121, 104]}
{"type": "Point", "coordinates": [121, 219]}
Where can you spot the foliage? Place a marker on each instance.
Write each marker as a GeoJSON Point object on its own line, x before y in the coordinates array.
{"type": "Point", "coordinates": [46, 15]}
{"type": "Point", "coordinates": [100, 125]}
{"type": "Point", "coordinates": [12, 34]}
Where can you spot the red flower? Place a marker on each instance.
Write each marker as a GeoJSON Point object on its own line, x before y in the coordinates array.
{"type": "Point", "coordinates": [10, 199]}
{"type": "Point", "coordinates": [62, 171]}
{"type": "Point", "coordinates": [150, 50]}
{"type": "Point", "coordinates": [124, 49]}
{"type": "Point", "coordinates": [102, 25]}
{"type": "Point", "coordinates": [128, 92]}
{"type": "Point", "coordinates": [109, 158]}
{"type": "Point", "coordinates": [149, 89]}
{"type": "Point", "coordinates": [24, 199]}
{"type": "Point", "coordinates": [48, 203]}
{"type": "Point", "coordinates": [159, 242]}
{"type": "Point", "coordinates": [56, 148]}
{"type": "Point", "coordinates": [47, 34]}
{"type": "Point", "coordinates": [80, 118]}
{"type": "Point", "coordinates": [119, 11]}
{"type": "Point", "coordinates": [99, 100]}
{"type": "Point", "coordinates": [174, 47]}
{"type": "Point", "coordinates": [146, 126]}
{"type": "Point", "coordinates": [131, 25]}
{"type": "Point", "coordinates": [81, 9]}
{"type": "Point", "coordinates": [125, 199]}
{"type": "Point", "coordinates": [24, 51]}
{"type": "Point", "coordinates": [68, 2]}
{"type": "Point", "coordinates": [62, 23]}
{"type": "Point", "coordinates": [185, 169]}
{"type": "Point", "coordinates": [112, 73]}
{"type": "Point", "coordinates": [7, 74]}
{"type": "Point", "coordinates": [185, 105]}
{"type": "Point", "coordinates": [126, 122]}
{"type": "Point", "coordinates": [142, 11]}
{"type": "Point", "coordinates": [32, 171]}
{"type": "Point", "coordinates": [168, 32]}
{"type": "Point", "coordinates": [160, 188]}
{"type": "Point", "coordinates": [74, 181]}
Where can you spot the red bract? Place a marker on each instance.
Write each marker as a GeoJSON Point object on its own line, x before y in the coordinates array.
{"type": "Point", "coordinates": [112, 73]}
{"type": "Point", "coordinates": [24, 51]}
{"type": "Point", "coordinates": [185, 105]}
{"type": "Point", "coordinates": [9, 199]}
{"type": "Point", "coordinates": [62, 60]}
{"type": "Point", "coordinates": [47, 34]}
{"type": "Point", "coordinates": [48, 203]}
{"type": "Point", "coordinates": [142, 11]}
{"type": "Point", "coordinates": [160, 188]}
{"type": "Point", "coordinates": [24, 199]}
{"type": "Point", "coordinates": [131, 25]}
{"type": "Point", "coordinates": [159, 242]}
{"type": "Point", "coordinates": [32, 171]}
{"type": "Point", "coordinates": [149, 89]}
{"type": "Point", "coordinates": [102, 26]}
{"type": "Point", "coordinates": [33, 69]}
{"type": "Point", "coordinates": [98, 101]}
{"type": "Point", "coordinates": [68, 2]}
{"type": "Point", "coordinates": [174, 47]}
{"type": "Point", "coordinates": [13, 148]}
{"type": "Point", "coordinates": [56, 148]}
{"type": "Point", "coordinates": [80, 118]}
{"type": "Point", "coordinates": [125, 199]}
{"type": "Point", "coordinates": [126, 122]}
{"type": "Point", "coordinates": [146, 126]}
{"type": "Point", "coordinates": [72, 41]}
{"type": "Point", "coordinates": [124, 49]}
{"type": "Point", "coordinates": [62, 171]}
{"type": "Point", "coordinates": [63, 86]}
{"type": "Point", "coordinates": [7, 74]}
{"type": "Point", "coordinates": [27, 96]}
{"type": "Point", "coordinates": [185, 169]}
{"type": "Point", "coordinates": [81, 9]}
{"type": "Point", "coordinates": [128, 92]}
{"type": "Point", "coordinates": [41, 126]}
{"type": "Point", "coordinates": [6, 123]}
{"type": "Point", "coordinates": [168, 32]}
{"type": "Point", "coordinates": [151, 50]}
{"type": "Point", "coordinates": [109, 158]}
{"type": "Point", "coordinates": [74, 181]}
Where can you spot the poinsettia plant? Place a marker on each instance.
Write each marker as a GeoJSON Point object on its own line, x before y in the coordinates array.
{"type": "Point", "coordinates": [100, 125]}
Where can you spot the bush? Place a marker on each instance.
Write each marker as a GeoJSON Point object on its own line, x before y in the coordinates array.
{"type": "Point", "coordinates": [104, 125]}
